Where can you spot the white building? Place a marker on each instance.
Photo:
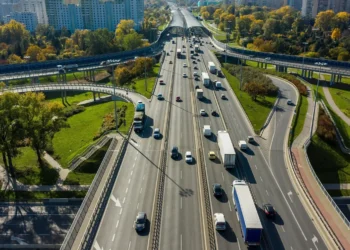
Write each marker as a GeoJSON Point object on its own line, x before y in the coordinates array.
{"type": "Point", "coordinates": [29, 19]}
{"type": "Point", "coordinates": [36, 6]}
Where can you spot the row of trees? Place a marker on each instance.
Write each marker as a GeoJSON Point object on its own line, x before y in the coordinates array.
{"type": "Point", "coordinates": [125, 73]}
{"type": "Point", "coordinates": [26, 120]}
{"type": "Point", "coordinates": [284, 30]}
{"type": "Point", "coordinates": [17, 45]}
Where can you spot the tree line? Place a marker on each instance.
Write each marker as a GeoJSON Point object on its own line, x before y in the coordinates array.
{"type": "Point", "coordinates": [26, 120]}
{"type": "Point", "coordinates": [283, 30]}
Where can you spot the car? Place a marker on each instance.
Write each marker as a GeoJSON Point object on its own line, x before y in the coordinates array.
{"type": "Point", "coordinates": [192, 57]}
{"type": "Point", "coordinates": [217, 189]}
{"type": "Point", "coordinates": [195, 73]}
{"type": "Point", "coordinates": [197, 87]}
{"type": "Point", "coordinates": [219, 73]}
{"type": "Point", "coordinates": [188, 157]}
{"type": "Point", "coordinates": [213, 46]}
{"type": "Point", "coordinates": [184, 51]}
{"type": "Point", "coordinates": [171, 50]}
{"type": "Point", "coordinates": [178, 99]}
{"type": "Point", "coordinates": [173, 42]}
{"type": "Point", "coordinates": [156, 133]}
{"type": "Point", "coordinates": [250, 139]}
{"type": "Point", "coordinates": [184, 65]}
{"type": "Point", "coordinates": [140, 222]}
{"type": "Point", "coordinates": [219, 222]}
{"type": "Point", "coordinates": [202, 112]}
{"type": "Point", "coordinates": [139, 101]}
{"type": "Point", "coordinates": [269, 210]}
{"type": "Point", "coordinates": [174, 153]}
{"type": "Point", "coordinates": [214, 113]}
{"type": "Point", "coordinates": [170, 62]}
{"type": "Point", "coordinates": [161, 82]}
{"type": "Point", "coordinates": [223, 97]}
{"type": "Point", "coordinates": [212, 155]}
{"type": "Point", "coordinates": [167, 54]}
{"type": "Point", "coordinates": [198, 60]}
{"type": "Point", "coordinates": [103, 63]}
{"type": "Point", "coordinates": [183, 46]}
{"type": "Point", "coordinates": [267, 58]}
{"type": "Point", "coordinates": [194, 62]}
{"type": "Point", "coordinates": [184, 75]}
{"type": "Point", "coordinates": [289, 102]}
{"type": "Point", "coordinates": [160, 97]}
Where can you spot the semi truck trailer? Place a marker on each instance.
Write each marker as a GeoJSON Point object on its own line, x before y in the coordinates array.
{"type": "Point", "coordinates": [227, 151]}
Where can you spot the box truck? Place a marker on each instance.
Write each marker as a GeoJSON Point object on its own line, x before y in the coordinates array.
{"type": "Point", "coordinates": [205, 79]}
{"type": "Point", "coordinates": [227, 150]}
{"type": "Point", "coordinates": [199, 93]}
{"type": "Point", "coordinates": [246, 213]}
{"type": "Point", "coordinates": [212, 67]}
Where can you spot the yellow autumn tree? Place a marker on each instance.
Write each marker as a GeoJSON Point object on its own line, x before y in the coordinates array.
{"type": "Point", "coordinates": [336, 34]}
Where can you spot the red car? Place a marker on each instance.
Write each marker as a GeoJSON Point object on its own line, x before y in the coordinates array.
{"type": "Point", "coordinates": [161, 82]}
{"type": "Point", "coordinates": [178, 99]}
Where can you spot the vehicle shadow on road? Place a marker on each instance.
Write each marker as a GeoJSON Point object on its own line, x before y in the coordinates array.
{"type": "Point", "coordinates": [248, 151]}
{"type": "Point", "coordinates": [212, 138]}
{"type": "Point", "coordinates": [205, 100]}
{"type": "Point", "coordinates": [228, 234]}
{"type": "Point", "coordinates": [145, 231]}
{"type": "Point", "coordinates": [245, 167]}
{"type": "Point", "coordinates": [147, 130]}
{"type": "Point", "coordinates": [223, 198]}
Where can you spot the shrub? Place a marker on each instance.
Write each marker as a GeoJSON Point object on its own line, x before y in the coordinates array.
{"type": "Point", "coordinates": [73, 110]}
{"type": "Point", "coordinates": [325, 128]}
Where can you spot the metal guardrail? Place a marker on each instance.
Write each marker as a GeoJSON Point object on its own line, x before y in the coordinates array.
{"type": "Point", "coordinates": [79, 218]}
{"type": "Point", "coordinates": [76, 161]}
{"type": "Point", "coordinates": [340, 138]}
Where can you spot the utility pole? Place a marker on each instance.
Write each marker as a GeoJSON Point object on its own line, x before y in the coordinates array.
{"type": "Point", "coordinates": [145, 77]}
{"type": "Point", "coordinates": [115, 100]}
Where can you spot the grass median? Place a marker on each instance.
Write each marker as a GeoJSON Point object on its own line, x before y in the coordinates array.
{"type": "Point", "coordinates": [257, 111]}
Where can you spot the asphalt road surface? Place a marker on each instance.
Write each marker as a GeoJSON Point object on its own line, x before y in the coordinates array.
{"type": "Point", "coordinates": [36, 223]}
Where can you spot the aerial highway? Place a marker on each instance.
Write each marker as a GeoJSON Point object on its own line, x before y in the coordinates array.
{"type": "Point", "coordinates": [134, 189]}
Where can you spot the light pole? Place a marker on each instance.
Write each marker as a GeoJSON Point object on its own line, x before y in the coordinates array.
{"type": "Point", "coordinates": [114, 99]}
{"type": "Point", "coordinates": [241, 82]}
{"type": "Point", "coordinates": [320, 64]}
{"type": "Point", "coordinates": [305, 44]}
{"type": "Point", "coordinates": [27, 59]}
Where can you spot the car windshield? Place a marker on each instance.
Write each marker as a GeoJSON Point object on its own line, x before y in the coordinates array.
{"type": "Point", "coordinates": [140, 220]}
{"type": "Point", "coordinates": [174, 150]}
{"type": "Point", "coordinates": [217, 189]}
{"type": "Point", "coordinates": [269, 208]}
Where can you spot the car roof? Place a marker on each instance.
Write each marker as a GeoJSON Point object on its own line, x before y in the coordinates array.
{"type": "Point", "coordinates": [156, 130]}
{"type": "Point", "coordinates": [141, 215]}
{"type": "Point", "coordinates": [188, 152]}
{"type": "Point", "coordinates": [217, 185]}
{"type": "Point", "coordinates": [174, 148]}
{"type": "Point", "coordinates": [212, 152]}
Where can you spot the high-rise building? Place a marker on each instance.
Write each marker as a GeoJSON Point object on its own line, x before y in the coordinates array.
{"type": "Point", "coordinates": [35, 6]}
{"type": "Point", "coordinates": [311, 8]}
{"type": "Point", "coordinates": [29, 19]}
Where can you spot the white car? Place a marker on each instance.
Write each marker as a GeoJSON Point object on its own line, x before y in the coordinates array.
{"type": "Point", "coordinates": [188, 157]}
{"type": "Point", "coordinates": [202, 112]}
{"type": "Point", "coordinates": [156, 133]}
{"type": "Point", "coordinates": [184, 75]}
{"type": "Point", "coordinates": [184, 65]}
{"type": "Point", "coordinates": [139, 101]}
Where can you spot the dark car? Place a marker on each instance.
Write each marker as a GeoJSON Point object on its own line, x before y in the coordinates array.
{"type": "Point", "coordinates": [174, 152]}
{"type": "Point", "coordinates": [140, 222]}
{"type": "Point", "coordinates": [217, 190]}
{"type": "Point", "coordinates": [197, 87]}
{"type": "Point", "coordinates": [219, 72]}
{"type": "Point", "coordinates": [214, 113]}
{"type": "Point", "coordinates": [269, 210]}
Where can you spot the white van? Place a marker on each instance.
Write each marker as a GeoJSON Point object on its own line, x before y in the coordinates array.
{"type": "Point", "coordinates": [219, 221]}
{"type": "Point", "coordinates": [218, 85]}
{"type": "Point", "coordinates": [206, 130]}
{"type": "Point", "coordinates": [242, 145]}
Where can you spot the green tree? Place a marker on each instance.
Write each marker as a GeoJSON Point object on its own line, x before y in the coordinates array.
{"type": "Point", "coordinates": [244, 23]}
{"type": "Point", "coordinates": [132, 41]}
{"type": "Point", "coordinates": [124, 27]}
{"type": "Point", "coordinates": [256, 27]}
{"type": "Point", "coordinates": [100, 41]}
{"type": "Point", "coordinates": [205, 15]}
{"type": "Point", "coordinates": [218, 13]}
{"type": "Point", "coordinates": [12, 59]}
{"type": "Point", "coordinates": [42, 121]}
{"type": "Point", "coordinates": [15, 34]}
{"type": "Point", "coordinates": [269, 27]}
{"type": "Point", "coordinates": [122, 74]}
{"type": "Point", "coordinates": [323, 20]}
{"type": "Point", "coordinates": [255, 90]}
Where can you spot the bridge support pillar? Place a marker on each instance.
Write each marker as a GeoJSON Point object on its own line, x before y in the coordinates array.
{"type": "Point", "coordinates": [332, 79]}
{"type": "Point", "coordinates": [340, 77]}
{"type": "Point", "coordinates": [99, 95]}
{"type": "Point", "coordinates": [94, 94]}
{"type": "Point", "coordinates": [285, 69]}
{"type": "Point", "coordinates": [265, 65]}
{"type": "Point", "coordinates": [61, 78]}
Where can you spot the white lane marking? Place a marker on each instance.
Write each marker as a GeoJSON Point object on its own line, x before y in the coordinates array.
{"type": "Point", "coordinates": [143, 177]}
{"type": "Point", "coordinates": [261, 179]}
{"type": "Point", "coordinates": [137, 205]}
{"type": "Point", "coordinates": [229, 204]}
{"type": "Point", "coordinates": [181, 241]}
{"type": "Point", "coordinates": [124, 200]}
{"type": "Point", "coordinates": [289, 195]}
{"type": "Point", "coordinates": [96, 245]}
{"type": "Point", "coordinates": [132, 172]}
{"type": "Point", "coordinates": [129, 245]}
{"type": "Point", "coordinates": [113, 237]}
{"type": "Point", "coordinates": [315, 240]}
{"type": "Point", "coordinates": [116, 226]}
{"type": "Point", "coordinates": [283, 229]}
{"type": "Point", "coordinates": [256, 167]}
{"type": "Point", "coordinates": [129, 181]}
{"type": "Point", "coordinates": [267, 193]}
{"type": "Point", "coordinates": [222, 174]}
{"type": "Point", "coordinates": [181, 174]}
{"type": "Point", "coordinates": [291, 248]}
{"type": "Point", "coordinates": [117, 202]}
{"type": "Point", "coordinates": [121, 210]}
{"type": "Point", "coordinates": [140, 190]}
{"type": "Point", "coordinates": [133, 165]}
{"type": "Point", "coordinates": [181, 203]}
{"type": "Point", "coordinates": [126, 190]}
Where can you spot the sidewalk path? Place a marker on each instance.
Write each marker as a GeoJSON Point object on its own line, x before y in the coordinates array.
{"type": "Point", "coordinates": [308, 180]}
{"type": "Point", "coordinates": [334, 106]}
{"type": "Point", "coordinates": [61, 171]}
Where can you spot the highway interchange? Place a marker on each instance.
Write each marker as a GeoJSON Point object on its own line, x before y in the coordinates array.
{"type": "Point", "coordinates": [182, 224]}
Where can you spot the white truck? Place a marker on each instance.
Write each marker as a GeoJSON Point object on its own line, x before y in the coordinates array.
{"type": "Point", "coordinates": [227, 151]}
{"type": "Point", "coordinates": [199, 93]}
{"type": "Point", "coordinates": [207, 130]}
{"type": "Point", "coordinates": [212, 67]}
{"type": "Point", "coordinates": [205, 79]}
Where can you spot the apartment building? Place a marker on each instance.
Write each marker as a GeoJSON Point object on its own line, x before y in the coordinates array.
{"type": "Point", "coordinates": [29, 19]}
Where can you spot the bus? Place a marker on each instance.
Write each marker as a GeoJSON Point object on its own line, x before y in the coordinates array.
{"type": "Point", "coordinates": [178, 53]}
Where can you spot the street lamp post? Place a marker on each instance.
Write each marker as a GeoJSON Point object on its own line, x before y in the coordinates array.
{"type": "Point", "coordinates": [320, 64]}
{"type": "Point", "coordinates": [305, 44]}
{"type": "Point", "coordinates": [241, 82]}
{"type": "Point", "coordinates": [114, 99]}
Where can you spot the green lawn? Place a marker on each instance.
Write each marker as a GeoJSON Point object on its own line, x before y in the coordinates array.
{"type": "Point", "coordinates": [29, 173]}
{"type": "Point", "coordinates": [343, 80]}
{"type": "Point", "coordinates": [85, 173]}
{"type": "Point", "coordinates": [72, 141]}
{"type": "Point", "coordinates": [338, 193]}
{"type": "Point", "coordinates": [341, 99]}
{"type": "Point", "coordinates": [330, 164]}
{"type": "Point", "coordinates": [257, 111]}
{"type": "Point", "coordinates": [73, 97]}
{"type": "Point", "coordinates": [8, 195]}
{"type": "Point", "coordinates": [255, 64]}
{"type": "Point", "coordinates": [300, 117]}
{"type": "Point", "coordinates": [139, 84]}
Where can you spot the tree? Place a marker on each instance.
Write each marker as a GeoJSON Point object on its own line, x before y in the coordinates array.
{"type": "Point", "coordinates": [13, 59]}
{"type": "Point", "coordinates": [223, 17]}
{"type": "Point", "coordinates": [341, 20]}
{"type": "Point", "coordinates": [269, 27]}
{"type": "Point", "coordinates": [99, 41]}
{"type": "Point", "coordinates": [323, 20]}
{"type": "Point", "coordinates": [140, 64]}
{"type": "Point", "coordinates": [255, 90]}
{"type": "Point", "coordinates": [42, 121]}
{"type": "Point", "coordinates": [122, 74]}
{"type": "Point", "coordinates": [124, 27]}
{"type": "Point", "coordinates": [205, 15]}
{"type": "Point", "coordinates": [132, 41]}
{"type": "Point", "coordinates": [218, 13]}
{"type": "Point", "coordinates": [35, 53]}
{"type": "Point", "coordinates": [80, 37]}
{"type": "Point", "coordinates": [336, 34]}
{"type": "Point", "coordinates": [15, 34]}
{"type": "Point", "coordinates": [231, 9]}
{"type": "Point", "coordinates": [244, 23]}
{"type": "Point", "coordinates": [256, 27]}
